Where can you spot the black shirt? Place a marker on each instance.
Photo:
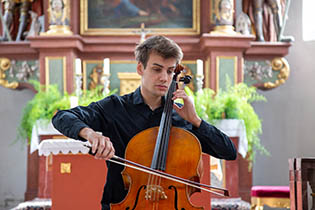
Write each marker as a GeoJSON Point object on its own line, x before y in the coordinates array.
{"type": "Point", "coordinates": [120, 118]}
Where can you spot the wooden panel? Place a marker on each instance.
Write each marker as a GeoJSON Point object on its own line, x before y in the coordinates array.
{"type": "Point", "coordinates": [80, 188]}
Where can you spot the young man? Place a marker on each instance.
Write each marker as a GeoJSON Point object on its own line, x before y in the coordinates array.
{"type": "Point", "coordinates": [119, 118]}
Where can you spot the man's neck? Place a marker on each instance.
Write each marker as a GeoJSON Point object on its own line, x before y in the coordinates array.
{"type": "Point", "coordinates": [152, 101]}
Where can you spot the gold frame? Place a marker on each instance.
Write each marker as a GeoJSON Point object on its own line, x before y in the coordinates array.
{"type": "Point", "coordinates": [207, 73]}
{"type": "Point", "coordinates": [84, 30]}
{"type": "Point", "coordinates": [218, 67]}
{"type": "Point", "coordinates": [63, 71]}
{"type": "Point", "coordinates": [84, 76]}
{"type": "Point", "coordinates": [84, 62]}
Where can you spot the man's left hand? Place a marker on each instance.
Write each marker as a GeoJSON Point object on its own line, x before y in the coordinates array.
{"type": "Point", "coordinates": [187, 111]}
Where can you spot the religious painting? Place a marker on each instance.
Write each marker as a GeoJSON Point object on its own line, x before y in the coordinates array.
{"type": "Point", "coordinates": [112, 17]}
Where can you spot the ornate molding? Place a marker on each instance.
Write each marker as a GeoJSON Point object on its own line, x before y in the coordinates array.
{"type": "Point", "coordinates": [281, 65]}
{"type": "Point", "coordinates": [16, 74]}
{"type": "Point", "coordinates": [5, 64]}
{"type": "Point", "coordinates": [266, 74]}
{"type": "Point", "coordinates": [259, 202]}
{"type": "Point", "coordinates": [129, 81]}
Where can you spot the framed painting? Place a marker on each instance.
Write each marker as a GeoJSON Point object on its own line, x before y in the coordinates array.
{"type": "Point", "coordinates": [126, 17]}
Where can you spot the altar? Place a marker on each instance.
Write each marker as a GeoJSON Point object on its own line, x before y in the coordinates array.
{"type": "Point", "coordinates": [65, 170]}
{"type": "Point", "coordinates": [105, 51]}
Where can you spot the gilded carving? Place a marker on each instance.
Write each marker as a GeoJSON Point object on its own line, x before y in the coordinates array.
{"type": "Point", "coordinates": [129, 81]}
{"type": "Point", "coordinates": [96, 77]}
{"type": "Point", "coordinates": [281, 65]}
{"type": "Point", "coordinates": [65, 168]}
{"type": "Point", "coordinates": [258, 203]}
{"type": "Point", "coordinates": [5, 64]}
{"type": "Point", "coordinates": [267, 74]}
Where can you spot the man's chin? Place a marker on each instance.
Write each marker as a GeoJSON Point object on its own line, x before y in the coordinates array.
{"type": "Point", "coordinates": [161, 93]}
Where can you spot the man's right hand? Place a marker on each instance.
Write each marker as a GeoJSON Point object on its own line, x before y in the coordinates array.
{"type": "Point", "coordinates": [102, 147]}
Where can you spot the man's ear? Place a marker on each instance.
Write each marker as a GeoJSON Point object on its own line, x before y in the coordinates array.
{"type": "Point", "coordinates": [140, 68]}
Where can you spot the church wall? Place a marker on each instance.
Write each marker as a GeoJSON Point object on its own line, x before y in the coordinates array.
{"type": "Point", "coordinates": [288, 116]}
{"type": "Point", "coordinates": [13, 156]}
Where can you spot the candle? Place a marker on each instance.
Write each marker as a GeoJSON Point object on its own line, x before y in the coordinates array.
{"type": "Point", "coordinates": [74, 101]}
{"type": "Point", "coordinates": [78, 70]}
{"type": "Point", "coordinates": [106, 66]}
{"type": "Point", "coordinates": [199, 67]}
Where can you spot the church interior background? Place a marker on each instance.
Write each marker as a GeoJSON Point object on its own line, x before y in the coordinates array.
{"type": "Point", "coordinates": [82, 44]}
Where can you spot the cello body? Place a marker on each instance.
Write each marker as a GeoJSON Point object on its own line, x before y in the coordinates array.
{"type": "Point", "coordinates": [151, 192]}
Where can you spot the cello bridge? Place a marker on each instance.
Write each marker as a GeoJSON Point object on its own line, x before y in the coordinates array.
{"type": "Point", "coordinates": [155, 192]}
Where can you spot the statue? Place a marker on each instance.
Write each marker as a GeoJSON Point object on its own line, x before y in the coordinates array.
{"type": "Point", "coordinates": [36, 26]}
{"type": "Point", "coordinates": [224, 10]}
{"type": "Point", "coordinates": [58, 14]}
{"type": "Point", "coordinates": [59, 18]}
{"type": "Point", "coordinates": [258, 13]}
{"type": "Point", "coordinates": [18, 29]}
{"type": "Point", "coordinates": [243, 24]}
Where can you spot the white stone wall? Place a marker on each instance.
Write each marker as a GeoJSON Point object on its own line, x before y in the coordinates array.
{"type": "Point", "coordinates": [289, 116]}
{"type": "Point", "coordinates": [13, 157]}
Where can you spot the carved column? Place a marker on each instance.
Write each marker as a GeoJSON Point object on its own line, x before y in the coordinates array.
{"type": "Point", "coordinates": [224, 56]}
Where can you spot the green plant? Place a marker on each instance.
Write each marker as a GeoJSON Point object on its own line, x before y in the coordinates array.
{"type": "Point", "coordinates": [47, 101]}
{"type": "Point", "coordinates": [232, 103]}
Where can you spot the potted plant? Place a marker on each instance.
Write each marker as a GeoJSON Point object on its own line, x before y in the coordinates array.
{"type": "Point", "coordinates": [232, 103]}
{"type": "Point", "coordinates": [47, 101]}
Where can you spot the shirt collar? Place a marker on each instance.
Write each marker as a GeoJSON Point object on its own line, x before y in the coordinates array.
{"type": "Point", "coordinates": [138, 99]}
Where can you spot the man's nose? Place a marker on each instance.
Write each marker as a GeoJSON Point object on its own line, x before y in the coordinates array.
{"type": "Point", "coordinates": [163, 76]}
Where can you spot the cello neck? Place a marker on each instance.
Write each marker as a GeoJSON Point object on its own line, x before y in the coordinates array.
{"type": "Point", "coordinates": [161, 146]}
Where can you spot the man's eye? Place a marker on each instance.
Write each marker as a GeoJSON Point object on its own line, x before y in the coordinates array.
{"type": "Point", "coordinates": [156, 69]}
{"type": "Point", "coordinates": [170, 71]}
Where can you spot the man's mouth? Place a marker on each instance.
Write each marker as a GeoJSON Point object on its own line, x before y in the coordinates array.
{"type": "Point", "coordinates": [161, 87]}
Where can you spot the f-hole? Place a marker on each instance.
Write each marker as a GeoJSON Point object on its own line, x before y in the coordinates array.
{"type": "Point", "coordinates": [176, 196]}
{"type": "Point", "coordinates": [137, 198]}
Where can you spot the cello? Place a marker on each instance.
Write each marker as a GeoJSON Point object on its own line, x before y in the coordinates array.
{"type": "Point", "coordinates": [167, 160]}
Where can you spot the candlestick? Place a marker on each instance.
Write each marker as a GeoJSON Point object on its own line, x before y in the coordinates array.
{"type": "Point", "coordinates": [78, 84]}
{"type": "Point", "coordinates": [199, 75]}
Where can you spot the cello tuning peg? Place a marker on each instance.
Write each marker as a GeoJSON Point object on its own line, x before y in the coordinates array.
{"type": "Point", "coordinates": [186, 79]}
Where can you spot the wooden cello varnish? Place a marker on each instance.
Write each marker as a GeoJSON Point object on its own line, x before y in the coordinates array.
{"type": "Point", "coordinates": [169, 149]}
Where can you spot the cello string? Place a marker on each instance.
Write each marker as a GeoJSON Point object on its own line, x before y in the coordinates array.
{"type": "Point", "coordinates": [166, 177]}
{"type": "Point", "coordinates": [146, 169]}
{"type": "Point", "coordinates": [169, 175]}
{"type": "Point", "coordinates": [164, 140]}
{"type": "Point", "coordinates": [167, 125]}
{"type": "Point", "coordinates": [164, 129]}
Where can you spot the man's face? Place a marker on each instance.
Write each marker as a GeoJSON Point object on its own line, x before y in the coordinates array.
{"type": "Point", "coordinates": [157, 75]}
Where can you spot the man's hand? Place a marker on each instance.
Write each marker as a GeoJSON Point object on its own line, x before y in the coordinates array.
{"type": "Point", "coordinates": [102, 147]}
{"type": "Point", "coordinates": [187, 111]}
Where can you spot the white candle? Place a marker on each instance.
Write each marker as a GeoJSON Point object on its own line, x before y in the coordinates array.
{"type": "Point", "coordinates": [199, 67]}
{"type": "Point", "coordinates": [78, 68]}
{"type": "Point", "coordinates": [106, 66]}
{"type": "Point", "coordinates": [74, 101]}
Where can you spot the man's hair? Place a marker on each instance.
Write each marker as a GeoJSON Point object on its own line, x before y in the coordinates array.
{"type": "Point", "coordinates": [161, 45]}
